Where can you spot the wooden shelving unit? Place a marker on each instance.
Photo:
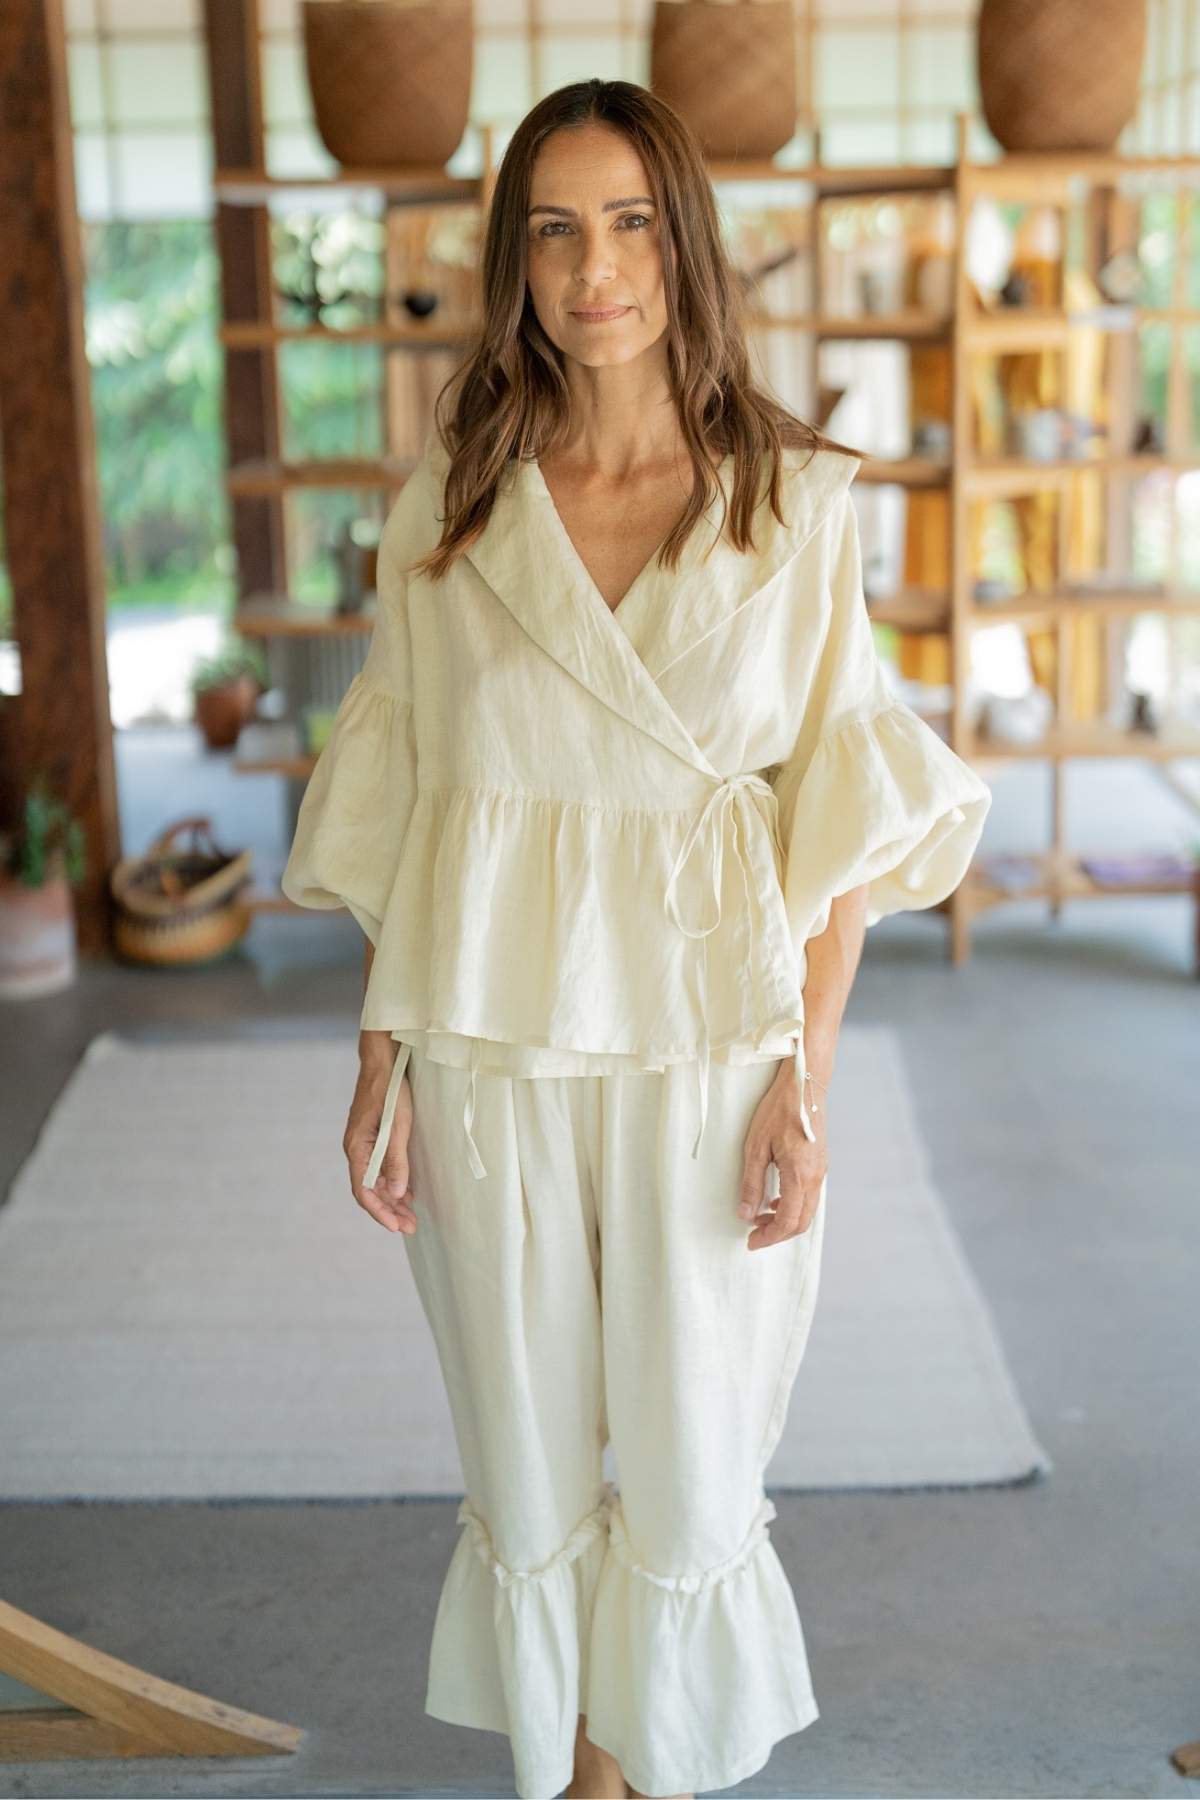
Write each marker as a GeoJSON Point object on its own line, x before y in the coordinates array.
{"type": "Point", "coordinates": [1056, 874]}
{"type": "Point", "coordinates": [317, 653]}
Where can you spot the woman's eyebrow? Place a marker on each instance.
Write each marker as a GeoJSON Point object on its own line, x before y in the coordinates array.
{"type": "Point", "coordinates": [568, 212]}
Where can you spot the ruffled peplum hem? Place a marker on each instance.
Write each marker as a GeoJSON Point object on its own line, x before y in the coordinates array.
{"type": "Point", "coordinates": [695, 1677]}
{"type": "Point", "coordinates": [510, 1647]}
{"type": "Point", "coordinates": [548, 924]}
{"type": "Point", "coordinates": [689, 1680]}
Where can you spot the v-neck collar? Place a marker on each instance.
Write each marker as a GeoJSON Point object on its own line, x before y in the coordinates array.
{"type": "Point", "coordinates": [532, 472]}
{"type": "Point", "coordinates": [527, 558]}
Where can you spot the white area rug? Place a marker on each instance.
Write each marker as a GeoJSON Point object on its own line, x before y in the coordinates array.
{"type": "Point", "coordinates": [192, 1306]}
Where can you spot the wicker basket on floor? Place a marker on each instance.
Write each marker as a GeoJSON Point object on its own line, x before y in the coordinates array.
{"type": "Point", "coordinates": [181, 906]}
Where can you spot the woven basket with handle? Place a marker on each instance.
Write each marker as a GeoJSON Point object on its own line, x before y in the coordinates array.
{"type": "Point", "coordinates": [178, 906]}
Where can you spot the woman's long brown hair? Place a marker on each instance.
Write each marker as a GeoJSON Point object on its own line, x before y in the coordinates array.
{"type": "Point", "coordinates": [509, 397]}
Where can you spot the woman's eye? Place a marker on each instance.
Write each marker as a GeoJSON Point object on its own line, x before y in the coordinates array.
{"type": "Point", "coordinates": [551, 228]}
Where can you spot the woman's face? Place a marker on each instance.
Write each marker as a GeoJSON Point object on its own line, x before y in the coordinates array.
{"type": "Point", "coordinates": [594, 247]}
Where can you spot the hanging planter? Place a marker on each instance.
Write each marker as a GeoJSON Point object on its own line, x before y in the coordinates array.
{"type": "Point", "coordinates": [1059, 74]}
{"type": "Point", "coordinates": [728, 68]}
{"type": "Point", "coordinates": [390, 80]}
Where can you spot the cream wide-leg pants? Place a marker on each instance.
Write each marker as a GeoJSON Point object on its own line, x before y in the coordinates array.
{"type": "Point", "coordinates": [596, 1282]}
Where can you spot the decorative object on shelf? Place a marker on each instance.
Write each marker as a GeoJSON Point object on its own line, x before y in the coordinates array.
{"type": "Point", "coordinates": [1016, 290]}
{"type": "Point", "coordinates": [1136, 869]}
{"type": "Point", "coordinates": [1059, 74]}
{"type": "Point", "coordinates": [356, 555]}
{"type": "Point", "coordinates": [316, 722]}
{"type": "Point", "coordinates": [1121, 277]}
{"type": "Point", "coordinates": [728, 67]}
{"type": "Point", "coordinates": [1148, 436]}
{"type": "Point", "coordinates": [931, 259]}
{"type": "Point", "coordinates": [175, 908]}
{"type": "Point", "coordinates": [308, 250]}
{"type": "Point", "coordinates": [420, 302]}
{"type": "Point", "coordinates": [932, 437]}
{"type": "Point", "coordinates": [390, 79]}
{"type": "Point", "coordinates": [1017, 718]}
{"type": "Point", "coordinates": [41, 860]}
{"type": "Point", "coordinates": [1036, 434]}
{"type": "Point", "coordinates": [226, 689]}
{"type": "Point", "coordinates": [1012, 872]}
{"type": "Point", "coordinates": [1142, 714]}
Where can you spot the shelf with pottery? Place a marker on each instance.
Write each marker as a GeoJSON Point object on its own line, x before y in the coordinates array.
{"type": "Point", "coordinates": [1016, 176]}
{"type": "Point", "coordinates": [935, 623]}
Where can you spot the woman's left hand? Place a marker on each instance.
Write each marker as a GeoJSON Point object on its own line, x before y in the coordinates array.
{"type": "Point", "coordinates": [777, 1135]}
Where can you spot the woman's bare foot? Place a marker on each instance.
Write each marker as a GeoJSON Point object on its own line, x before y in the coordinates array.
{"type": "Point", "coordinates": [633, 1794]}
{"type": "Point", "coordinates": [597, 1774]}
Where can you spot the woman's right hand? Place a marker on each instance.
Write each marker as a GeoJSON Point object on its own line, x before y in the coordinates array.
{"type": "Point", "coordinates": [389, 1202]}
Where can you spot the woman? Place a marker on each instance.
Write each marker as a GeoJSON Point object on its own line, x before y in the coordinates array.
{"type": "Point", "coordinates": [613, 798]}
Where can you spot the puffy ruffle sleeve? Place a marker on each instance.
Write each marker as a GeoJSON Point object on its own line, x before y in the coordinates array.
{"type": "Point", "coordinates": [359, 799]}
{"type": "Point", "coordinates": [871, 793]}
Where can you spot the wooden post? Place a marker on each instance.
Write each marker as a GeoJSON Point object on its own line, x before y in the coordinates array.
{"type": "Point", "coordinates": [63, 731]}
{"type": "Point", "coordinates": [243, 234]}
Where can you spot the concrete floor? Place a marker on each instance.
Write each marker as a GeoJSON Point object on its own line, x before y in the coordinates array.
{"type": "Point", "coordinates": [1040, 1640]}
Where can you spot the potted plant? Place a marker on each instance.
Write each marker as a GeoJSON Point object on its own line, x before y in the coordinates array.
{"type": "Point", "coordinates": [41, 860]}
{"type": "Point", "coordinates": [225, 691]}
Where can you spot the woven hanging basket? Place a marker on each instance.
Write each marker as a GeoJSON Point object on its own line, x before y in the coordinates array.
{"type": "Point", "coordinates": [1059, 74]}
{"type": "Point", "coordinates": [175, 907]}
{"type": "Point", "coordinates": [390, 80]}
{"type": "Point", "coordinates": [729, 71]}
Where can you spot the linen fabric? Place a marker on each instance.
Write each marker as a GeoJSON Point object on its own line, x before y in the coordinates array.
{"type": "Point", "coordinates": [596, 1286]}
{"type": "Point", "coordinates": [573, 832]}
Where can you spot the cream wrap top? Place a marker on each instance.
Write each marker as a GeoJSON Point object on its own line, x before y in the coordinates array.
{"type": "Point", "coordinates": [584, 839]}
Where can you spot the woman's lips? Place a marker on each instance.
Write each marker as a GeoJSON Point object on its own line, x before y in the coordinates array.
{"type": "Point", "coordinates": [597, 316]}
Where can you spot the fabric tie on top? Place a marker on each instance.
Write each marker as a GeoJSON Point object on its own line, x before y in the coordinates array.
{"type": "Point", "coordinates": [725, 802]}
{"type": "Point", "coordinates": [389, 1111]}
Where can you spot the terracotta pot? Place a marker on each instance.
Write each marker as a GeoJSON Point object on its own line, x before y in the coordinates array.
{"type": "Point", "coordinates": [390, 82]}
{"type": "Point", "coordinates": [222, 710]}
{"type": "Point", "coordinates": [37, 937]}
{"type": "Point", "coordinates": [1059, 74]}
{"type": "Point", "coordinates": [729, 71]}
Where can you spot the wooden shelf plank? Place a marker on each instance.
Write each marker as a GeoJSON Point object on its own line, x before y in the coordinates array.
{"type": "Point", "coordinates": [412, 187]}
{"type": "Point", "coordinates": [999, 478]}
{"type": "Point", "coordinates": [1090, 740]}
{"type": "Point", "coordinates": [268, 477]}
{"type": "Point", "coordinates": [301, 767]}
{"type": "Point", "coordinates": [252, 334]}
{"type": "Point", "coordinates": [278, 615]}
{"type": "Point", "coordinates": [906, 471]}
{"type": "Point", "coordinates": [1061, 875]}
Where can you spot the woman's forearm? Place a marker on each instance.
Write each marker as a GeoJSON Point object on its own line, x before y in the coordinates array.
{"type": "Point", "coordinates": [374, 1046]}
{"type": "Point", "coordinates": [832, 959]}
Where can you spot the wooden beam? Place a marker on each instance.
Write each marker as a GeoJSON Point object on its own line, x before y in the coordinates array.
{"type": "Point", "coordinates": [253, 427]}
{"type": "Point", "coordinates": [112, 1708]}
{"type": "Point", "coordinates": [52, 514]}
